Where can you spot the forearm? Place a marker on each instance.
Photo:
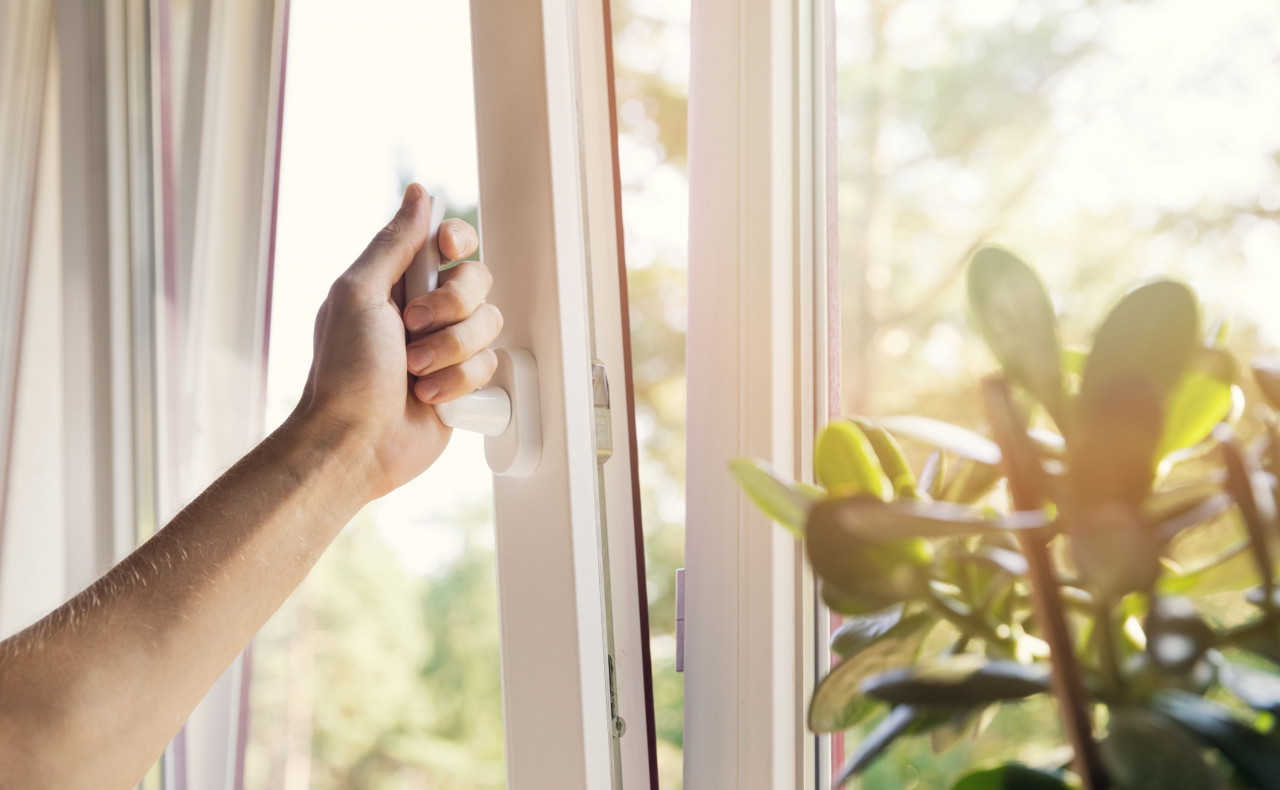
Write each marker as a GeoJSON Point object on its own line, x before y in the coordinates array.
{"type": "Point", "coordinates": [137, 650]}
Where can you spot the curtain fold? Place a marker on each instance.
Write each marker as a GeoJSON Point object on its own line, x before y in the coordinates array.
{"type": "Point", "coordinates": [25, 29]}
{"type": "Point", "coordinates": [144, 329]}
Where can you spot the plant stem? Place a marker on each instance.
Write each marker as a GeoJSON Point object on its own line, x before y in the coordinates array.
{"type": "Point", "coordinates": [1241, 635]}
{"type": "Point", "coordinates": [969, 624]}
{"type": "Point", "coordinates": [1108, 660]}
{"type": "Point", "coordinates": [1022, 469]}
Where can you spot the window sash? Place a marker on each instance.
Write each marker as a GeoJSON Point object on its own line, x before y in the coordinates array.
{"type": "Point", "coordinates": [758, 386]}
{"type": "Point", "coordinates": [548, 215]}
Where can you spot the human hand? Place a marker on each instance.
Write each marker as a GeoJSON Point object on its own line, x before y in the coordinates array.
{"type": "Point", "coordinates": [360, 380]}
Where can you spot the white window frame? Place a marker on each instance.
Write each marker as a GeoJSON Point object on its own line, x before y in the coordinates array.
{"type": "Point", "coordinates": [548, 226]}
{"type": "Point", "coordinates": [757, 362]}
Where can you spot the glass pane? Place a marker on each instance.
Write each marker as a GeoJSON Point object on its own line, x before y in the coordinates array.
{"type": "Point", "coordinates": [382, 670]}
{"type": "Point", "coordinates": [651, 64]}
{"type": "Point", "coordinates": [1106, 141]}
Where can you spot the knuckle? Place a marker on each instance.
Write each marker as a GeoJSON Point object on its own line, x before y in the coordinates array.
{"type": "Point", "coordinates": [477, 274]}
{"type": "Point", "coordinates": [452, 302]}
{"type": "Point", "coordinates": [345, 290]}
{"type": "Point", "coordinates": [452, 343]}
{"type": "Point", "coordinates": [391, 239]}
{"type": "Point", "coordinates": [390, 232]}
{"type": "Point", "coordinates": [493, 315]}
{"type": "Point", "coordinates": [487, 365]}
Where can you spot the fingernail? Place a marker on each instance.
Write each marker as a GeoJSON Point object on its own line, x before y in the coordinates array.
{"type": "Point", "coordinates": [417, 318]}
{"type": "Point", "coordinates": [459, 238]}
{"type": "Point", "coordinates": [419, 358]}
{"type": "Point", "coordinates": [411, 195]}
{"type": "Point", "coordinates": [426, 389]}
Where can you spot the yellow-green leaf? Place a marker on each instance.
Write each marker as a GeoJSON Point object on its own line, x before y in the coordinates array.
{"type": "Point", "coordinates": [844, 462]}
{"type": "Point", "coordinates": [892, 460]}
{"type": "Point", "coordinates": [1201, 399]}
{"type": "Point", "coordinates": [778, 499]}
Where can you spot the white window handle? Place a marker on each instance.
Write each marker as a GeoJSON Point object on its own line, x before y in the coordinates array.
{"type": "Point", "coordinates": [506, 411]}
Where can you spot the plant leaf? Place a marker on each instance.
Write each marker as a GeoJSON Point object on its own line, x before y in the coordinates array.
{"type": "Point", "coordinates": [843, 462]}
{"type": "Point", "coordinates": [1201, 399]}
{"type": "Point", "coordinates": [1172, 502]}
{"type": "Point", "coordinates": [1139, 353]}
{"type": "Point", "coordinates": [971, 482]}
{"type": "Point", "coordinates": [1146, 751]}
{"type": "Point", "coordinates": [1148, 336]}
{"type": "Point", "coordinates": [858, 604]}
{"type": "Point", "coordinates": [869, 519]}
{"type": "Point", "coordinates": [933, 475]}
{"type": "Point", "coordinates": [1012, 776]}
{"type": "Point", "coordinates": [944, 436]}
{"type": "Point", "coordinates": [1012, 311]}
{"type": "Point", "coordinates": [856, 633]}
{"type": "Point", "coordinates": [1203, 513]}
{"type": "Point", "coordinates": [897, 723]}
{"type": "Point", "coordinates": [1254, 755]}
{"type": "Point", "coordinates": [1074, 359]}
{"type": "Point", "coordinates": [1266, 372]}
{"type": "Point", "coordinates": [837, 704]}
{"type": "Point", "coordinates": [775, 497]}
{"type": "Point", "coordinates": [877, 572]}
{"type": "Point", "coordinates": [1177, 636]}
{"type": "Point", "coordinates": [1007, 561]}
{"type": "Point", "coordinates": [1113, 550]}
{"type": "Point", "coordinates": [1113, 456]}
{"type": "Point", "coordinates": [1257, 688]}
{"type": "Point", "coordinates": [892, 460]}
{"type": "Point", "coordinates": [1230, 571]}
{"type": "Point", "coordinates": [960, 681]}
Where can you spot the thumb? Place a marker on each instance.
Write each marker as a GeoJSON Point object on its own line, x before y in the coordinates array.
{"type": "Point", "coordinates": [392, 249]}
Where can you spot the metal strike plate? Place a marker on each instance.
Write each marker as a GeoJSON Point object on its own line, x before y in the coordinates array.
{"type": "Point", "coordinates": [603, 414]}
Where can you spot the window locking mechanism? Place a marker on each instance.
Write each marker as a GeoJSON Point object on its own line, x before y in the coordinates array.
{"type": "Point", "coordinates": [680, 619]}
{"type": "Point", "coordinates": [603, 415]}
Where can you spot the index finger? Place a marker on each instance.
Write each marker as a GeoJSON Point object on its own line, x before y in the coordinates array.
{"type": "Point", "coordinates": [457, 239]}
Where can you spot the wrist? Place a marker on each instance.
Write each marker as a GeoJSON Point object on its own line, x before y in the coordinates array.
{"type": "Point", "coordinates": [331, 458]}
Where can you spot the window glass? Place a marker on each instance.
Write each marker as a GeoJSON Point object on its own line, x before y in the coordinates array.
{"type": "Point", "coordinates": [651, 64]}
{"type": "Point", "coordinates": [382, 670]}
{"type": "Point", "coordinates": [1105, 141]}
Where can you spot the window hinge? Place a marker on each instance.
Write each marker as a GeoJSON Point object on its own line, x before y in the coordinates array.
{"type": "Point", "coordinates": [680, 619]}
{"type": "Point", "coordinates": [603, 417]}
{"type": "Point", "coordinates": [617, 723]}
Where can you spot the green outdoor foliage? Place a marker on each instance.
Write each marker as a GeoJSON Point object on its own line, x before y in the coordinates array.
{"type": "Point", "coordinates": [1126, 452]}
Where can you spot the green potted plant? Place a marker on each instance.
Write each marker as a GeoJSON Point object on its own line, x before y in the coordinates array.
{"type": "Point", "coordinates": [1042, 554]}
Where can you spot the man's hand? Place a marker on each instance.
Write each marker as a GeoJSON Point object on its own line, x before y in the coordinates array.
{"type": "Point", "coordinates": [90, 695]}
{"type": "Point", "coordinates": [358, 379]}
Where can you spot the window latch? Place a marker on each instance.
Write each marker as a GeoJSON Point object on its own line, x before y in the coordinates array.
{"type": "Point", "coordinates": [603, 415]}
{"type": "Point", "coordinates": [679, 619]}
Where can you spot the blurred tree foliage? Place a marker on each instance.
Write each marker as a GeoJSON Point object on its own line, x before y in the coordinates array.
{"type": "Point", "coordinates": [1107, 140]}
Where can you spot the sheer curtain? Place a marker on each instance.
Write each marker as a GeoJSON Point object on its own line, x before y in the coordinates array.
{"type": "Point", "coordinates": [139, 142]}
